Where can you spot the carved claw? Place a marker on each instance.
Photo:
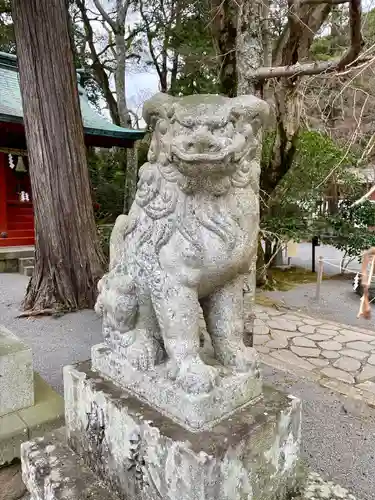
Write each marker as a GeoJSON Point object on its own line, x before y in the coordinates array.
{"type": "Point", "coordinates": [196, 377]}
{"type": "Point", "coordinates": [143, 353]}
{"type": "Point", "coordinates": [241, 359]}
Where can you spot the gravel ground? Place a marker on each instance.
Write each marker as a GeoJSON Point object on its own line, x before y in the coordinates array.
{"type": "Point", "coordinates": [54, 342]}
{"type": "Point", "coordinates": [337, 302]}
{"type": "Point", "coordinates": [338, 434]}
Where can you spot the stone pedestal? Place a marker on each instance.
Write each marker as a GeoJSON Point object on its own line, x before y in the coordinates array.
{"type": "Point", "coordinates": [28, 406]}
{"type": "Point", "coordinates": [139, 453]}
{"type": "Point", "coordinates": [196, 412]}
{"type": "Point", "coordinates": [16, 373]}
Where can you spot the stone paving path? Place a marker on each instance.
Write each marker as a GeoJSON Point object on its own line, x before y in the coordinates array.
{"type": "Point", "coordinates": [337, 356]}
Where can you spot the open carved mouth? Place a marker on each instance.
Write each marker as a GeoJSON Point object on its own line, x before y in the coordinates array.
{"type": "Point", "coordinates": [223, 156]}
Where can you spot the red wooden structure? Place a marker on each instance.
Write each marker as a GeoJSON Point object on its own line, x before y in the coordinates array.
{"type": "Point", "coordinates": [16, 200]}
{"type": "Point", "coordinates": [16, 210]}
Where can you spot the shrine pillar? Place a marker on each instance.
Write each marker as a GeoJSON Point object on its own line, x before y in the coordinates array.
{"type": "Point", "coordinates": [3, 194]}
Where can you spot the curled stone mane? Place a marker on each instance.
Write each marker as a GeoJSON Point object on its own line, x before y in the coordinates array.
{"type": "Point", "coordinates": [162, 195]}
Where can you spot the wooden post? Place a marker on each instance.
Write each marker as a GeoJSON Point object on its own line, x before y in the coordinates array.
{"type": "Point", "coordinates": [3, 194]}
{"type": "Point", "coordinates": [319, 278]}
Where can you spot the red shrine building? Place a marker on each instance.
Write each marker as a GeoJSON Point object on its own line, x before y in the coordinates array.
{"type": "Point", "coordinates": [16, 198]}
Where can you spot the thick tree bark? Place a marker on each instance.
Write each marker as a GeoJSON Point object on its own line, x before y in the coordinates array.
{"type": "Point", "coordinates": [69, 261]}
{"type": "Point", "coordinates": [224, 30]}
{"type": "Point", "coordinates": [249, 44]}
{"type": "Point", "coordinates": [252, 52]}
{"type": "Point", "coordinates": [131, 177]}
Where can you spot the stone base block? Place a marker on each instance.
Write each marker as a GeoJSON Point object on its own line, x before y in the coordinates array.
{"type": "Point", "coordinates": [143, 455]}
{"type": "Point", "coordinates": [46, 414]}
{"type": "Point", "coordinates": [16, 373]}
{"type": "Point", "coordinates": [195, 412]}
{"type": "Point", "coordinates": [51, 471]}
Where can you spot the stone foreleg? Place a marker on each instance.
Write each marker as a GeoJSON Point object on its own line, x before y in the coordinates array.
{"type": "Point", "coordinates": [178, 311]}
{"type": "Point", "coordinates": [224, 315]}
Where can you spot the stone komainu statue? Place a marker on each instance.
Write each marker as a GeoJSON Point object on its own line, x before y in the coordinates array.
{"type": "Point", "coordinates": [188, 240]}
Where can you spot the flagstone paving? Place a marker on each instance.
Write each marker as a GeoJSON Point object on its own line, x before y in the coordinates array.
{"type": "Point", "coordinates": [337, 356]}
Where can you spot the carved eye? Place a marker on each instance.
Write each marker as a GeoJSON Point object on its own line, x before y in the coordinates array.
{"type": "Point", "coordinates": [170, 112]}
{"type": "Point", "coordinates": [236, 114]}
{"type": "Point", "coordinates": [163, 127]}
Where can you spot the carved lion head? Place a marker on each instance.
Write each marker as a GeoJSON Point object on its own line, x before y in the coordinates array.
{"type": "Point", "coordinates": [204, 135]}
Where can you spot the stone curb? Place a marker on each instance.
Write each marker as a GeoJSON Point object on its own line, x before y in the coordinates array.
{"type": "Point", "coordinates": [45, 415]}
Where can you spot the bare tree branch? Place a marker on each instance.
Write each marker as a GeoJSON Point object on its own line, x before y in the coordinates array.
{"type": "Point", "coordinates": [104, 14]}
{"type": "Point", "coordinates": [136, 118]}
{"type": "Point", "coordinates": [109, 46]}
{"type": "Point", "coordinates": [122, 10]}
{"type": "Point", "coordinates": [356, 43]}
{"type": "Point", "coordinates": [313, 68]}
{"type": "Point", "coordinates": [350, 58]}
{"type": "Point", "coordinates": [329, 2]}
{"type": "Point", "coordinates": [155, 58]}
{"type": "Point", "coordinates": [98, 69]}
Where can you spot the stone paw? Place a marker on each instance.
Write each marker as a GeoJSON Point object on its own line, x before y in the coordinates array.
{"type": "Point", "coordinates": [195, 377]}
{"type": "Point", "coordinates": [143, 353]}
{"type": "Point", "coordinates": [242, 359]}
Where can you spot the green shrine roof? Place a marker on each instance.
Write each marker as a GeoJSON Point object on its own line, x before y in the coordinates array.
{"type": "Point", "coordinates": [94, 124]}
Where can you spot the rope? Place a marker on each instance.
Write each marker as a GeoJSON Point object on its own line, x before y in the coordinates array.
{"type": "Point", "coordinates": [347, 270]}
{"type": "Point", "coordinates": [364, 308]}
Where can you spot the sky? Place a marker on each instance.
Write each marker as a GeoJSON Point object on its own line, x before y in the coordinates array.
{"type": "Point", "coordinates": [140, 85]}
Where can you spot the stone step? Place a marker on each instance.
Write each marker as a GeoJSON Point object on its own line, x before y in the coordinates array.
{"type": "Point", "coordinates": [45, 415]}
{"type": "Point", "coordinates": [52, 471]}
{"type": "Point", "coordinates": [25, 263]}
{"type": "Point", "coordinates": [28, 271]}
{"type": "Point", "coordinates": [12, 257]}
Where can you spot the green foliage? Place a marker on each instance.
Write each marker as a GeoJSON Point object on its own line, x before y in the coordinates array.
{"type": "Point", "coordinates": [295, 210]}
{"type": "Point", "coordinates": [316, 157]}
{"type": "Point", "coordinates": [368, 30]}
{"type": "Point", "coordinates": [107, 170]}
{"type": "Point", "coordinates": [350, 228]}
{"type": "Point", "coordinates": [179, 44]}
{"type": "Point", "coordinates": [198, 68]}
{"type": "Point", "coordinates": [333, 45]}
{"type": "Point", "coordinates": [93, 90]}
{"type": "Point", "coordinates": [325, 48]}
{"type": "Point", "coordinates": [7, 41]}
{"type": "Point", "coordinates": [8, 45]}
{"type": "Point", "coordinates": [104, 232]}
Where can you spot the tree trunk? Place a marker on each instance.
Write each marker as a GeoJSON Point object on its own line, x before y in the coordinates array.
{"type": "Point", "coordinates": [224, 16]}
{"type": "Point", "coordinates": [69, 261]}
{"type": "Point", "coordinates": [249, 44]}
{"type": "Point", "coordinates": [252, 52]}
{"type": "Point", "coordinates": [131, 177]}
